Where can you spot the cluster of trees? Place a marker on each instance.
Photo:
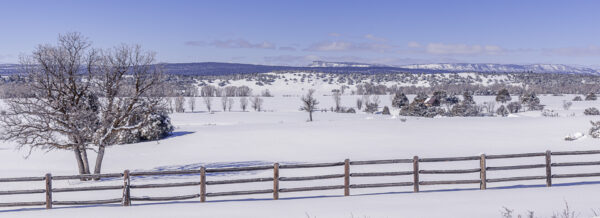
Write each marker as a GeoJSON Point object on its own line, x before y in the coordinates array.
{"type": "Point", "coordinates": [442, 104]}
{"type": "Point", "coordinates": [83, 99]}
{"type": "Point", "coordinates": [178, 104]}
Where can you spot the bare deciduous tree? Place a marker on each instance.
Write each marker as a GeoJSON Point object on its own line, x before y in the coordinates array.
{"type": "Point", "coordinates": [193, 92]}
{"type": "Point", "coordinates": [257, 102]}
{"type": "Point", "coordinates": [65, 111]}
{"type": "Point", "coordinates": [309, 103]}
{"type": "Point", "coordinates": [208, 102]}
{"type": "Point", "coordinates": [243, 103]}
{"type": "Point", "coordinates": [230, 103]}
{"type": "Point", "coordinates": [180, 104]}
{"type": "Point", "coordinates": [224, 100]}
{"type": "Point", "coordinates": [192, 103]}
{"type": "Point", "coordinates": [337, 99]}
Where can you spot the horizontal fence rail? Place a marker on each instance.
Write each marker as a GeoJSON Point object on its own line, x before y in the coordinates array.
{"type": "Point", "coordinates": [203, 184]}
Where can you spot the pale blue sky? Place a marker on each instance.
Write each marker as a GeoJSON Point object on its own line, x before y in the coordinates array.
{"type": "Point", "coordinates": [297, 32]}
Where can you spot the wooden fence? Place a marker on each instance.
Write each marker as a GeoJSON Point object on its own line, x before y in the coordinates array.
{"type": "Point", "coordinates": [203, 184]}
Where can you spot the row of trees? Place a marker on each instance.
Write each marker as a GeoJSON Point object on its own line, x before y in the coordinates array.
{"type": "Point", "coordinates": [178, 104]}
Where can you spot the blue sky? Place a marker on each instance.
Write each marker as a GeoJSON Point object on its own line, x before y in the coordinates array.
{"type": "Point", "coordinates": [298, 32]}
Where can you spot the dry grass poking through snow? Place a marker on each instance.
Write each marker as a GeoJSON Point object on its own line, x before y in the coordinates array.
{"type": "Point", "coordinates": [566, 212]}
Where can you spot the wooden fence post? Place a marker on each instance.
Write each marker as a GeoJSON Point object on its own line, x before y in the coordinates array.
{"type": "Point", "coordinates": [482, 172]}
{"type": "Point", "coordinates": [202, 184]}
{"type": "Point", "coordinates": [416, 173]}
{"type": "Point", "coordinates": [48, 191]}
{"type": "Point", "coordinates": [275, 181]}
{"type": "Point", "coordinates": [126, 189]}
{"type": "Point", "coordinates": [548, 168]}
{"type": "Point", "coordinates": [347, 177]}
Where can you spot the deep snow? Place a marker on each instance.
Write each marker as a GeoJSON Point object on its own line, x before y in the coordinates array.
{"type": "Point", "coordinates": [281, 134]}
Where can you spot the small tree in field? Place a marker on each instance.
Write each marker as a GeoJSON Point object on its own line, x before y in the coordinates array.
{"type": "Point", "coordinates": [399, 100]}
{"type": "Point", "coordinates": [192, 103]}
{"type": "Point", "coordinates": [337, 99]}
{"type": "Point", "coordinates": [257, 102]}
{"type": "Point", "coordinates": [309, 103]}
{"type": "Point", "coordinates": [193, 91]}
{"type": "Point", "coordinates": [567, 104]}
{"type": "Point", "coordinates": [208, 102]}
{"type": "Point", "coordinates": [180, 104]}
{"type": "Point", "coordinates": [224, 101]}
{"type": "Point", "coordinates": [503, 96]}
{"type": "Point", "coordinates": [243, 103]}
{"type": "Point", "coordinates": [230, 103]}
{"type": "Point", "coordinates": [359, 103]}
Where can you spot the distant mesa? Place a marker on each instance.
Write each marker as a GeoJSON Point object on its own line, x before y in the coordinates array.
{"type": "Point", "coordinates": [216, 68]}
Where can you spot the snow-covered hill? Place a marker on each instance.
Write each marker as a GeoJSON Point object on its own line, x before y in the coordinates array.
{"type": "Point", "coordinates": [339, 64]}
{"type": "Point", "coordinates": [490, 68]}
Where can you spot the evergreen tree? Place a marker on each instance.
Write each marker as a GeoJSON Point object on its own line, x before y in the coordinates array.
{"type": "Point", "coordinates": [503, 96]}
{"type": "Point", "coordinates": [591, 97]}
{"type": "Point", "coordinates": [399, 100]}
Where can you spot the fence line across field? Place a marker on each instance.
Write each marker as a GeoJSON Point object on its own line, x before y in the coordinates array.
{"type": "Point", "coordinates": [203, 184]}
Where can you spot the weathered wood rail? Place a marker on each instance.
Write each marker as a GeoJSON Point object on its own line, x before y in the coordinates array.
{"type": "Point", "coordinates": [203, 184]}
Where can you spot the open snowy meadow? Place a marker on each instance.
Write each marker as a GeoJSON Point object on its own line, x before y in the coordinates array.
{"type": "Point", "coordinates": [280, 134]}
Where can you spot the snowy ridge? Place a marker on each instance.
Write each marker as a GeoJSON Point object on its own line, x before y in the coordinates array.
{"type": "Point", "coordinates": [491, 68]}
{"type": "Point", "coordinates": [340, 64]}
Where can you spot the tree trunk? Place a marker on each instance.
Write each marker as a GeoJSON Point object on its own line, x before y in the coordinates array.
{"type": "Point", "coordinates": [99, 159]}
{"type": "Point", "coordinates": [310, 116]}
{"type": "Point", "coordinates": [84, 158]}
{"type": "Point", "coordinates": [79, 160]}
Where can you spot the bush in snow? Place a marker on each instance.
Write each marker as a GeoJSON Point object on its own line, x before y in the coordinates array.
{"type": "Point", "coordinates": [595, 130]}
{"type": "Point", "coordinates": [157, 126]}
{"type": "Point", "coordinates": [567, 104]}
{"type": "Point", "coordinates": [372, 104]}
{"type": "Point", "coordinates": [465, 110]}
{"type": "Point", "coordinates": [386, 111]}
{"type": "Point", "coordinates": [502, 111]}
{"type": "Point", "coordinates": [531, 101]}
{"type": "Point", "coordinates": [574, 136]}
{"type": "Point", "coordinates": [451, 100]}
{"type": "Point", "coordinates": [591, 111]}
{"type": "Point", "coordinates": [577, 98]}
{"type": "Point", "coordinates": [399, 100]}
{"type": "Point", "coordinates": [468, 98]}
{"type": "Point", "coordinates": [371, 107]}
{"type": "Point", "coordinates": [549, 113]}
{"type": "Point", "coordinates": [503, 96]}
{"type": "Point", "coordinates": [351, 110]}
{"type": "Point", "coordinates": [438, 98]}
{"type": "Point", "coordinates": [421, 97]}
{"type": "Point", "coordinates": [514, 107]}
{"type": "Point", "coordinates": [591, 97]}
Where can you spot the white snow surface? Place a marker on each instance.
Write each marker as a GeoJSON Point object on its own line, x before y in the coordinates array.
{"type": "Point", "coordinates": [281, 134]}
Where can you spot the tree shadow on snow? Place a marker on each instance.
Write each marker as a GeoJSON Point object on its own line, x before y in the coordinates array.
{"type": "Point", "coordinates": [179, 133]}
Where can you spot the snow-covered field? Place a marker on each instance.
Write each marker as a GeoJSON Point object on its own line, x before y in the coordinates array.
{"type": "Point", "coordinates": [281, 134]}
